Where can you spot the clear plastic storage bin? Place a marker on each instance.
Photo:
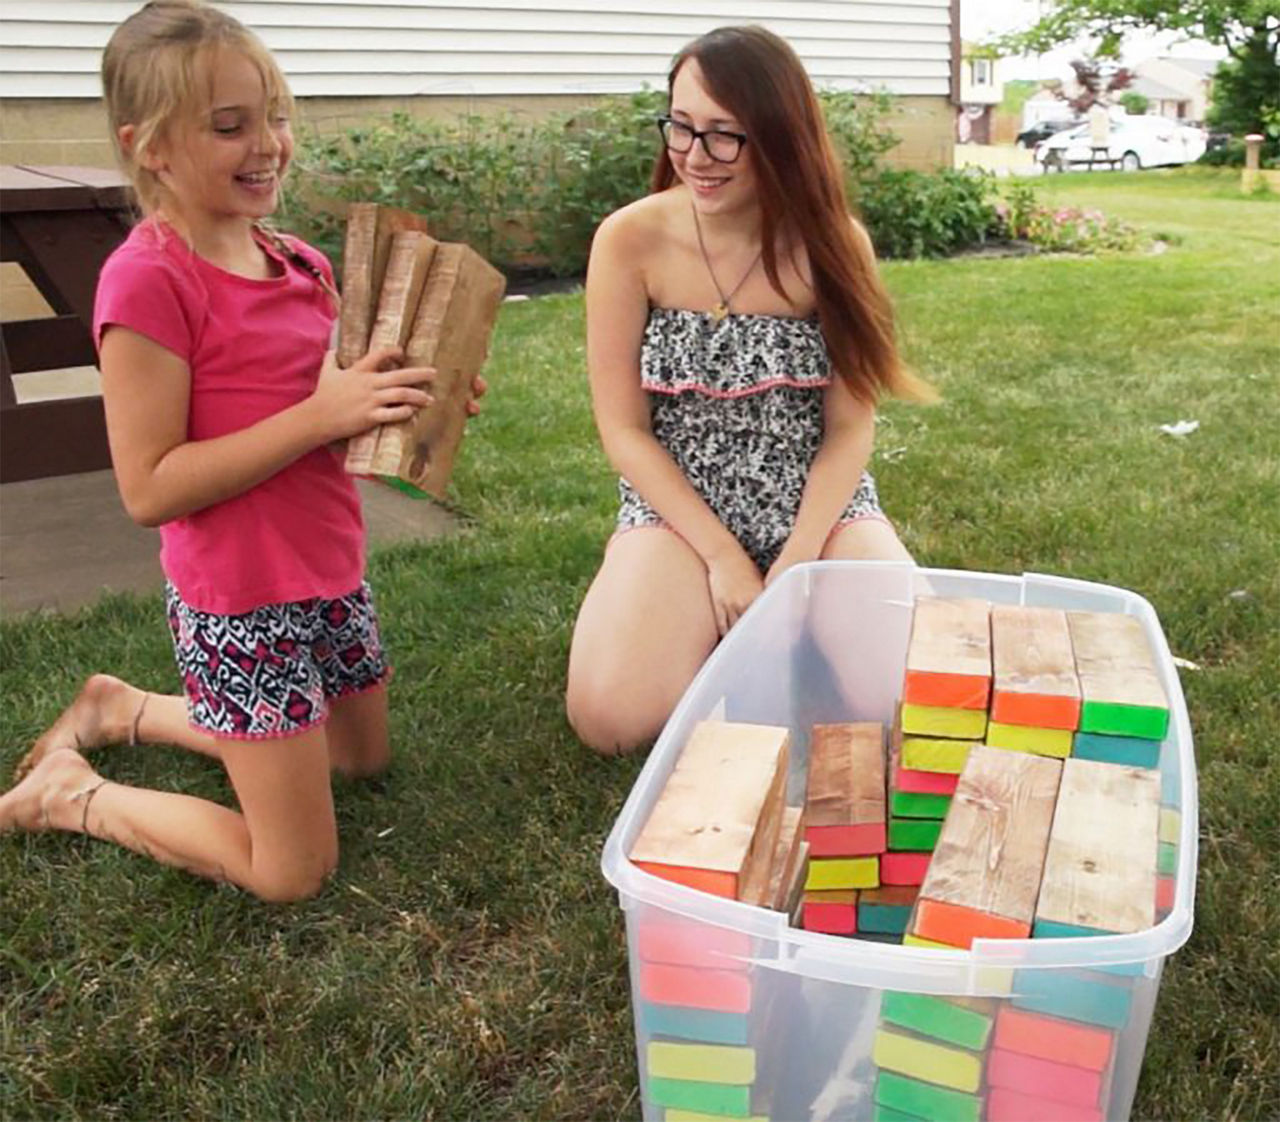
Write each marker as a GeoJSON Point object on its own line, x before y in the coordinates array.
{"type": "Point", "coordinates": [738, 1014]}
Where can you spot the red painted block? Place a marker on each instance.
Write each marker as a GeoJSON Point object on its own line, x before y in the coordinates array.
{"type": "Point", "coordinates": [680, 943]}
{"type": "Point", "coordinates": [834, 913]}
{"type": "Point", "coordinates": [919, 782]}
{"type": "Point", "coordinates": [1004, 1105]}
{"type": "Point", "coordinates": [960, 926]}
{"type": "Point", "coordinates": [865, 840]}
{"type": "Point", "coordinates": [1166, 889]}
{"type": "Point", "coordinates": [1050, 1038]}
{"type": "Point", "coordinates": [904, 868]}
{"type": "Point", "coordinates": [1029, 1075]}
{"type": "Point", "coordinates": [725, 991]}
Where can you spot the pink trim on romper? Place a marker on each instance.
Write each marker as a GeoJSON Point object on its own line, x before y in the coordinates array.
{"type": "Point", "coordinates": [286, 734]}
{"type": "Point", "coordinates": [728, 395]}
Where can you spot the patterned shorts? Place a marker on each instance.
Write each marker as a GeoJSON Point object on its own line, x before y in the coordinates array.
{"type": "Point", "coordinates": [271, 672]}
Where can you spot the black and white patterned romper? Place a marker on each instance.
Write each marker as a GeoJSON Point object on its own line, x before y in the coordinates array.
{"type": "Point", "coordinates": [739, 406]}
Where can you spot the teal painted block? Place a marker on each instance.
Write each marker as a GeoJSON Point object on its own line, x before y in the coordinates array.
{"type": "Point", "coordinates": [1074, 995]}
{"type": "Point", "coordinates": [1049, 929]}
{"type": "Point", "coordinates": [913, 834]}
{"type": "Point", "coordinates": [709, 1098]}
{"type": "Point", "coordinates": [1131, 751]}
{"type": "Point", "coordinates": [924, 1100]}
{"type": "Point", "coordinates": [1167, 859]}
{"type": "Point", "coordinates": [913, 804]}
{"type": "Point", "coordinates": [1170, 786]}
{"type": "Point", "coordinates": [883, 919]}
{"type": "Point", "coordinates": [1144, 721]}
{"type": "Point", "coordinates": [706, 1025]}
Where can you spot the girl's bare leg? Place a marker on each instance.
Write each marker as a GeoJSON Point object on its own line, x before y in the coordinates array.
{"type": "Point", "coordinates": [359, 741]}
{"type": "Point", "coordinates": [866, 539]}
{"type": "Point", "coordinates": [281, 846]}
{"type": "Point", "coordinates": [645, 628]}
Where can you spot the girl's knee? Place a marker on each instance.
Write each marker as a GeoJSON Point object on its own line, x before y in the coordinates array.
{"type": "Point", "coordinates": [294, 884]}
{"type": "Point", "coordinates": [607, 725]}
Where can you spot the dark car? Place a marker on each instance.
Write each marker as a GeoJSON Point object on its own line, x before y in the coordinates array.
{"type": "Point", "coordinates": [1042, 130]}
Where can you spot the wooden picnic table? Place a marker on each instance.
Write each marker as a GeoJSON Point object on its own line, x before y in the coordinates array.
{"type": "Point", "coordinates": [59, 224]}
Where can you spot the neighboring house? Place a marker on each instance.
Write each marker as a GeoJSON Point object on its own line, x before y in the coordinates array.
{"type": "Point", "coordinates": [1180, 88]}
{"type": "Point", "coordinates": [349, 60]}
{"type": "Point", "coordinates": [981, 90]}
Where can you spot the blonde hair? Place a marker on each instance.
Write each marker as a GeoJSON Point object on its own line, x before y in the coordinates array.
{"type": "Point", "coordinates": [152, 72]}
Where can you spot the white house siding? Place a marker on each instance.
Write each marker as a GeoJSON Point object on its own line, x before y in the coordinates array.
{"type": "Point", "coordinates": [366, 48]}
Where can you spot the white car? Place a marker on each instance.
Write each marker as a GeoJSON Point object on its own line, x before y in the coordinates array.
{"type": "Point", "coordinates": [1134, 142]}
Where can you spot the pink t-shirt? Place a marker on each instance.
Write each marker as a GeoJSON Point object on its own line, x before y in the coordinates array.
{"type": "Point", "coordinates": [254, 348]}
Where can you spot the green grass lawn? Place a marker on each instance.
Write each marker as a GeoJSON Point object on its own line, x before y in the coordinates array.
{"type": "Point", "coordinates": [468, 960]}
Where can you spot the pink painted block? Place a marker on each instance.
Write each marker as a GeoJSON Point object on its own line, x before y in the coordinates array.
{"type": "Point", "coordinates": [863, 840]}
{"type": "Point", "coordinates": [681, 943]}
{"type": "Point", "coordinates": [904, 868]}
{"type": "Point", "coordinates": [1004, 1105]}
{"type": "Point", "coordinates": [832, 919]}
{"type": "Point", "coordinates": [724, 991]}
{"type": "Point", "coordinates": [925, 782]}
{"type": "Point", "coordinates": [1045, 1079]}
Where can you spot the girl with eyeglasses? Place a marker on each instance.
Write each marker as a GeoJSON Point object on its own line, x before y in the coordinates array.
{"type": "Point", "coordinates": [738, 339]}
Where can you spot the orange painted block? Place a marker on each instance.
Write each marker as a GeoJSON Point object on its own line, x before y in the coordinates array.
{"type": "Point", "coordinates": [959, 926]}
{"type": "Point", "coordinates": [708, 880]}
{"type": "Point", "coordinates": [846, 841]}
{"type": "Point", "coordinates": [953, 691]}
{"type": "Point", "coordinates": [904, 868]}
{"type": "Point", "coordinates": [1030, 1075]}
{"type": "Point", "coordinates": [1004, 1105]}
{"type": "Point", "coordinates": [1044, 711]}
{"type": "Point", "coordinates": [703, 945]}
{"type": "Point", "coordinates": [725, 991]}
{"type": "Point", "coordinates": [1051, 1038]}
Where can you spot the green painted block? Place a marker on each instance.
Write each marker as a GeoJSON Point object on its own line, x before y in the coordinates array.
{"type": "Point", "coordinates": [888, 1114]}
{"type": "Point", "coordinates": [707, 1025]}
{"type": "Point", "coordinates": [882, 919]}
{"type": "Point", "coordinates": [916, 834]}
{"type": "Point", "coordinates": [1071, 994]}
{"type": "Point", "coordinates": [1145, 721]}
{"type": "Point", "coordinates": [710, 1098]}
{"type": "Point", "coordinates": [938, 1018]}
{"type": "Point", "coordinates": [913, 804]}
{"type": "Point", "coordinates": [924, 1100]}
{"type": "Point", "coordinates": [1131, 751]}
{"type": "Point", "coordinates": [1167, 859]}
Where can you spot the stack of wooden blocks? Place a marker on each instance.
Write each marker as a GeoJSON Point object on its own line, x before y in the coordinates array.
{"type": "Point", "coordinates": [437, 302]}
{"type": "Point", "coordinates": [722, 825]}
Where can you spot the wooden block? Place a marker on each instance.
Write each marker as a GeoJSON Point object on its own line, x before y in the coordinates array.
{"type": "Point", "coordinates": [924, 1100]}
{"type": "Point", "coordinates": [1170, 829]}
{"type": "Point", "coordinates": [904, 869]}
{"type": "Point", "coordinates": [923, 753]}
{"type": "Point", "coordinates": [908, 804]}
{"type": "Point", "coordinates": [922, 1059]}
{"type": "Point", "coordinates": [1119, 684]}
{"type": "Point", "coordinates": [1004, 1105]}
{"type": "Point", "coordinates": [878, 915]}
{"type": "Point", "coordinates": [793, 892]}
{"type": "Point", "coordinates": [842, 872]}
{"type": "Point", "coordinates": [882, 1114]}
{"type": "Point", "coordinates": [1031, 1075]}
{"type": "Point", "coordinates": [937, 1017]}
{"type": "Point", "coordinates": [834, 912]}
{"type": "Point", "coordinates": [935, 720]}
{"type": "Point", "coordinates": [949, 653]}
{"type": "Point", "coordinates": [786, 856]}
{"type": "Point", "coordinates": [370, 229]}
{"type": "Point", "coordinates": [1167, 859]}
{"type": "Point", "coordinates": [725, 991]}
{"type": "Point", "coordinates": [1130, 751]}
{"type": "Point", "coordinates": [1100, 867]}
{"type": "Point", "coordinates": [1077, 995]}
{"type": "Point", "coordinates": [985, 873]}
{"type": "Point", "coordinates": [715, 1063]}
{"type": "Point", "coordinates": [675, 1115]}
{"type": "Point", "coordinates": [1166, 893]}
{"type": "Point", "coordinates": [1050, 1038]}
{"type": "Point", "coordinates": [915, 782]}
{"type": "Point", "coordinates": [760, 885]}
{"type": "Point", "coordinates": [687, 943]}
{"type": "Point", "coordinates": [1034, 669]}
{"type": "Point", "coordinates": [706, 1025]}
{"type": "Point", "coordinates": [913, 834]}
{"type": "Point", "coordinates": [451, 332]}
{"type": "Point", "coordinates": [704, 830]}
{"type": "Point", "coordinates": [1025, 738]}
{"type": "Point", "coordinates": [845, 790]}
{"type": "Point", "coordinates": [889, 896]}
{"type": "Point", "coordinates": [910, 940]}
{"type": "Point", "coordinates": [698, 1095]}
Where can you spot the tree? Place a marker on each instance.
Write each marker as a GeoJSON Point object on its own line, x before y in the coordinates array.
{"type": "Point", "coordinates": [1134, 102]}
{"type": "Point", "coordinates": [1098, 82]}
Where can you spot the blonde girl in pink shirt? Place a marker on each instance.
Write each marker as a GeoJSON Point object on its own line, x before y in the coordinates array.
{"type": "Point", "coordinates": [223, 407]}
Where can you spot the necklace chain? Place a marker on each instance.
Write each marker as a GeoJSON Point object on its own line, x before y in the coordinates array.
{"type": "Point", "coordinates": [721, 309]}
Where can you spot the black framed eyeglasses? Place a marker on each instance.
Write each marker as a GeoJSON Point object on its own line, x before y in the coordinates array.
{"type": "Point", "coordinates": [722, 146]}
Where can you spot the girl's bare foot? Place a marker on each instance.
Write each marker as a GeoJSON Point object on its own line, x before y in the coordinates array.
{"type": "Point", "coordinates": [52, 795]}
{"type": "Point", "coordinates": [105, 711]}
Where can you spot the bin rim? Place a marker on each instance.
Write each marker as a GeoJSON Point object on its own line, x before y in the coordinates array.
{"type": "Point", "coordinates": [635, 886]}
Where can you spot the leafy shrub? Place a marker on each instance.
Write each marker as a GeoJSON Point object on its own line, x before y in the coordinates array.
{"type": "Point", "coordinates": [1061, 229]}
{"type": "Point", "coordinates": [911, 214]}
{"type": "Point", "coordinates": [1231, 154]}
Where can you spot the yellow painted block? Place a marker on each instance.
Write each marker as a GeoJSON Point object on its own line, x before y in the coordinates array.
{"type": "Point", "coordinates": [673, 1115]}
{"type": "Point", "coordinates": [1025, 738]}
{"type": "Point", "coordinates": [922, 753]}
{"type": "Point", "coordinates": [1170, 825]}
{"type": "Point", "coordinates": [909, 940]}
{"type": "Point", "coordinates": [994, 979]}
{"type": "Point", "coordinates": [842, 872]}
{"type": "Point", "coordinates": [938, 720]}
{"type": "Point", "coordinates": [710, 1063]}
{"type": "Point", "coordinates": [921, 1059]}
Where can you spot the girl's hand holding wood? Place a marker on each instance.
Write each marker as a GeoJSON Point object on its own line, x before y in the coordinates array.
{"type": "Point", "coordinates": [372, 391]}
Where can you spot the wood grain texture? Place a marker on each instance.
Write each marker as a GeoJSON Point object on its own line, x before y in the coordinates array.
{"type": "Point", "coordinates": [1034, 668]}
{"type": "Point", "coordinates": [1100, 867]}
{"type": "Point", "coordinates": [1115, 664]}
{"type": "Point", "coordinates": [949, 653]}
{"type": "Point", "coordinates": [991, 850]}
{"type": "Point", "coordinates": [845, 790]}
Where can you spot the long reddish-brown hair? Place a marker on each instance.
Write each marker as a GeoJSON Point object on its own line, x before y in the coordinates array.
{"type": "Point", "coordinates": [757, 77]}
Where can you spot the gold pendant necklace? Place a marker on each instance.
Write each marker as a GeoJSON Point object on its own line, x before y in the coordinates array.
{"type": "Point", "coordinates": [721, 310]}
